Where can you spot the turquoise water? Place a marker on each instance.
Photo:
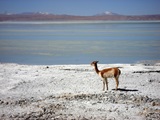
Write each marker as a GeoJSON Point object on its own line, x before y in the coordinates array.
{"type": "Point", "coordinates": [79, 42]}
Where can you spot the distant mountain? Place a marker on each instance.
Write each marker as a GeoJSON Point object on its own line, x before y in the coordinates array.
{"type": "Point", "coordinates": [33, 13]}
{"type": "Point", "coordinates": [41, 16]}
{"type": "Point", "coordinates": [106, 13]}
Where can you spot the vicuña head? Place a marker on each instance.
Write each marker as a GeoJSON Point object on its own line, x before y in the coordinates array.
{"type": "Point", "coordinates": [107, 73]}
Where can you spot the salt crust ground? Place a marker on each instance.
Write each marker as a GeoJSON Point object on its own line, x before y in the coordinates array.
{"type": "Point", "coordinates": [75, 92]}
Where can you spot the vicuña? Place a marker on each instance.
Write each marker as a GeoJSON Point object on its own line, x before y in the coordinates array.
{"type": "Point", "coordinates": [107, 73]}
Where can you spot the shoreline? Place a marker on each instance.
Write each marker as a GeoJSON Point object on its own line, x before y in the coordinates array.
{"type": "Point", "coordinates": [75, 92]}
{"type": "Point", "coordinates": [80, 21]}
{"type": "Point", "coordinates": [144, 62]}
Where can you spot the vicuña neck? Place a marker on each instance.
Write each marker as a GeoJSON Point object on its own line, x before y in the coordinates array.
{"type": "Point", "coordinates": [96, 68]}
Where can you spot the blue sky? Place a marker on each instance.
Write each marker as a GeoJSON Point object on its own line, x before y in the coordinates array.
{"type": "Point", "coordinates": [82, 7]}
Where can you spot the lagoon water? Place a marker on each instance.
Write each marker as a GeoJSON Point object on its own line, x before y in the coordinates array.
{"type": "Point", "coordinates": [79, 42]}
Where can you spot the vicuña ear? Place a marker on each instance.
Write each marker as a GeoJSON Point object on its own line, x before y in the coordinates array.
{"type": "Point", "coordinates": [96, 61]}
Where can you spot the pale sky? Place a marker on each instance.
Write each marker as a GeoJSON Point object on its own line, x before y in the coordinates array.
{"type": "Point", "coordinates": [82, 7]}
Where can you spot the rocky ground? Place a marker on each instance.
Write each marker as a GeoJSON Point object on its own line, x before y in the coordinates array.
{"type": "Point", "coordinates": [75, 92]}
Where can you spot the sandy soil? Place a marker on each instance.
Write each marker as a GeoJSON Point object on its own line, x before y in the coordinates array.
{"type": "Point", "coordinates": [75, 92]}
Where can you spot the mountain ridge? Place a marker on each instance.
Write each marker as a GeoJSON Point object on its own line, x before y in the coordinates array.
{"type": "Point", "coordinates": [107, 13]}
{"type": "Point", "coordinates": [44, 16]}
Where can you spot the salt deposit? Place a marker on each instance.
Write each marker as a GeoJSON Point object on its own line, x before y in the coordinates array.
{"type": "Point", "coordinates": [75, 92]}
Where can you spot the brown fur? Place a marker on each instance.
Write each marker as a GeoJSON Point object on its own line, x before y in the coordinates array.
{"type": "Point", "coordinates": [107, 73]}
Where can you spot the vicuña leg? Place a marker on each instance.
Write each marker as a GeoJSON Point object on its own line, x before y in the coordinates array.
{"type": "Point", "coordinates": [117, 82]}
{"type": "Point", "coordinates": [104, 84]}
{"type": "Point", "coordinates": [106, 81]}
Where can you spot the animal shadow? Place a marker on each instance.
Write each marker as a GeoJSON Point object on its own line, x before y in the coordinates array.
{"type": "Point", "coordinates": [126, 90]}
